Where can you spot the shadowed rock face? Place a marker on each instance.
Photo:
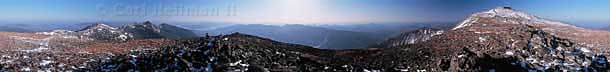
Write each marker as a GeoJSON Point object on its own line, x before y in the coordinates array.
{"type": "Point", "coordinates": [144, 30]}
{"type": "Point", "coordinates": [148, 30]}
{"type": "Point", "coordinates": [417, 36]}
{"type": "Point", "coordinates": [174, 32]}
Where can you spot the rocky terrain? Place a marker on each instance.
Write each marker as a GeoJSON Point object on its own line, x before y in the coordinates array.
{"type": "Point", "coordinates": [499, 39]}
{"type": "Point", "coordinates": [63, 50]}
{"type": "Point", "coordinates": [502, 39]}
{"type": "Point", "coordinates": [145, 30]}
{"type": "Point", "coordinates": [417, 36]}
{"type": "Point", "coordinates": [39, 52]}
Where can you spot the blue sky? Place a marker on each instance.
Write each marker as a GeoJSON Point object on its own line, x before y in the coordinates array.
{"type": "Point", "coordinates": [581, 12]}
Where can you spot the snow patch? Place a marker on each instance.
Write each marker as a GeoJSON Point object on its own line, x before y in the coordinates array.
{"type": "Point", "coordinates": [482, 39]}
{"type": "Point", "coordinates": [134, 56]}
{"type": "Point", "coordinates": [460, 56]}
{"type": "Point", "coordinates": [123, 37]}
{"type": "Point", "coordinates": [27, 69]}
{"type": "Point", "coordinates": [238, 63]}
{"type": "Point", "coordinates": [438, 33]}
{"type": "Point", "coordinates": [39, 49]}
{"type": "Point", "coordinates": [469, 21]}
{"type": "Point", "coordinates": [423, 70]}
{"type": "Point", "coordinates": [45, 62]}
{"type": "Point", "coordinates": [367, 70]}
{"type": "Point", "coordinates": [235, 63]}
{"type": "Point", "coordinates": [509, 53]}
{"type": "Point", "coordinates": [584, 49]}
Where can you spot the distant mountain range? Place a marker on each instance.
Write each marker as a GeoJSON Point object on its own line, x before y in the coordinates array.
{"type": "Point", "coordinates": [145, 30]}
{"type": "Point", "coordinates": [319, 36]}
{"type": "Point", "coordinates": [48, 27]}
{"type": "Point", "coordinates": [301, 34]}
{"type": "Point", "coordinates": [384, 31]}
{"type": "Point", "coordinates": [14, 29]}
{"type": "Point", "coordinates": [606, 28]}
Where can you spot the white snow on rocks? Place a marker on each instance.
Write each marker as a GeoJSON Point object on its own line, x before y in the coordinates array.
{"type": "Point", "coordinates": [39, 49]}
{"type": "Point", "coordinates": [438, 33]}
{"type": "Point", "coordinates": [238, 63]}
{"type": "Point", "coordinates": [105, 26]}
{"type": "Point", "coordinates": [26, 69]}
{"type": "Point", "coordinates": [507, 13]}
{"type": "Point", "coordinates": [469, 21]}
{"type": "Point", "coordinates": [460, 56]}
{"type": "Point", "coordinates": [133, 56]}
{"type": "Point", "coordinates": [45, 62]}
{"type": "Point", "coordinates": [509, 53]}
{"type": "Point", "coordinates": [41, 42]}
{"type": "Point", "coordinates": [423, 70]}
{"type": "Point", "coordinates": [56, 32]}
{"type": "Point", "coordinates": [123, 37]}
{"type": "Point", "coordinates": [366, 70]}
{"type": "Point", "coordinates": [235, 63]}
{"type": "Point", "coordinates": [516, 17]}
{"type": "Point", "coordinates": [584, 49]}
{"type": "Point", "coordinates": [482, 39]}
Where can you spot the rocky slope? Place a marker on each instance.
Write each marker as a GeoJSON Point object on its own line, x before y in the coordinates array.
{"type": "Point", "coordinates": [417, 36]}
{"type": "Point", "coordinates": [40, 52]}
{"type": "Point", "coordinates": [82, 50]}
{"type": "Point", "coordinates": [240, 52]}
{"type": "Point", "coordinates": [175, 32]}
{"type": "Point", "coordinates": [143, 30]}
{"type": "Point", "coordinates": [147, 30]}
{"type": "Point", "coordinates": [98, 32]}
{"type": "Point", "coordinates": [505, 39]}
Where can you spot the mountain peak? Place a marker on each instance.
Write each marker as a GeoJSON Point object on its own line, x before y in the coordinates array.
{"type": "Point", "coordinates": [98, 26]}
{"type": "Point", "coordinates": [506, 15]}
{"type": "Point", "coordinates": [506, 12]}
{"type": "Point", "coordinates": [100, 31]}
{"type": "Point", "coordinates": [147, 23]}
{"type": "Point", "coordinates": [101, 25]}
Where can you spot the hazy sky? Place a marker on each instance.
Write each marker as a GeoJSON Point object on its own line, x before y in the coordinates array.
{"type": "Point", "coordinates": [594, 12]}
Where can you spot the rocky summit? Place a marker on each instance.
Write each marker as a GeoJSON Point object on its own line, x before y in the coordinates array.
{"type": "Point", "coordinates": [504, 39]}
